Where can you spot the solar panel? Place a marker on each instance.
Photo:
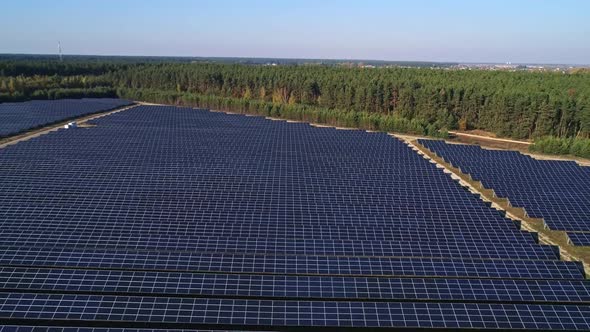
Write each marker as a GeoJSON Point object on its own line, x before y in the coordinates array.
{"type": "Point", "coordinates": [21, 328]}
{"type": "Point", "coordinates": [253, 230]}
{"type": "Point", "coordinates": [288, 246]}
{"type": "Point", "coordinates": [195, 312]}
{"type": "Point", "coordinates": [293, 286]}
{"type": "Point", "coordinates": [579, 239]}
{"type": "Point", "coordinates": [19, 117]}
{"type": "Point", "coordinates": [291, 264]}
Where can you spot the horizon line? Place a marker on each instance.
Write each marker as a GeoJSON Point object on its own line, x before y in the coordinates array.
{"type": "Point", "coordinates": [303, 58]}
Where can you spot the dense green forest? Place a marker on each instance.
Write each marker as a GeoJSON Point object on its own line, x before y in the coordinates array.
{"type": "Point", "coordinates": [512, 104]}
{"type": "Point", "coordinates": [523, 105]}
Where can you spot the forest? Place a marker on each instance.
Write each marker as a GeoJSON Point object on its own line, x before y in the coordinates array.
{"type": "Point", "coordinates": [520, 104]}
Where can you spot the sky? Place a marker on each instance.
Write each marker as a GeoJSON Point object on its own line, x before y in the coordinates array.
{"type": "Point", "coordinates": [518, 31]}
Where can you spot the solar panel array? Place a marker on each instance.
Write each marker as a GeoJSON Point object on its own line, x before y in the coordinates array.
{"type": "Point", "coordinates": [173, 218]}
{"type": "Point", "coordinates": [557, 191]}
{"type": "Point", "coordinates": [20, 117]}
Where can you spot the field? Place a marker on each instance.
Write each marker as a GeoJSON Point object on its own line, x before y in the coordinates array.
{"type": "Point", "coordinates": [174, 217]}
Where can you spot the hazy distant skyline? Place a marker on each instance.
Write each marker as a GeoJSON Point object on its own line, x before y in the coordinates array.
{"type": "Point", "coordinates": [519, 31]}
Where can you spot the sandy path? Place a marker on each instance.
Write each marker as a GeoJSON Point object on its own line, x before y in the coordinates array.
{"type": "Point", "coordinates": [490, 138]}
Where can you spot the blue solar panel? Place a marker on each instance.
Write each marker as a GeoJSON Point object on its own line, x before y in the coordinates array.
{"type": "Point", "coordinates": [287, 246]}
{"type": "Point", "coordinates": [557, 191]}
{"type": "Point", "coordinates": [19, 117]}
{"type": "Point", "coordinates": [579, 239]}
{"type": "Point", "coordinates": [168, 217]}
{"type": "Point", "coordinates": [192, 311]}
{"type": "Point", "coordinates": [292, 286]}
{"type": "Point", "coordinates": [24, 328]}
{"type": "Point", "coordinates": [283, 231]}
{"type": "Point", "coordinates": [290, 264]}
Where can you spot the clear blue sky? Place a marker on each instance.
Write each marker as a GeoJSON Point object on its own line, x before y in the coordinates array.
{"type": "Point", "coordinates": [545, 31]}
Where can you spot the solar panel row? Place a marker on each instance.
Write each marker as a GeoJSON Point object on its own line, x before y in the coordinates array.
{"type": "Point", "coordinates": [323, 247]}
{"type": "Point", "coordinates": [283, 231]}
{"type": "Point", "coordinates": [293, 286]}
{"type": "Point", "coordinates": [21, 328]}
{"type": "Point", "coordinates": [304, 264]}
{"type": "Point", "coordinates": [185, 311]}
{"type": "Point", "coordinates": [24, 328]}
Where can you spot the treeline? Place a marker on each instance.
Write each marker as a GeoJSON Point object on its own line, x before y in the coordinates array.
{"type": "Point", "coordinates": [297, 112]}
{"type": "Point", "coordinates": [562, 146]}
{"type": "Point", "coordinates": [51, 94]}
{"type": "Point", "coordinates": [511, 104]}
{"type": "Point", "coordinates": [48, 68]}
{"type": "Point", "coordinates": [21, 88]}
